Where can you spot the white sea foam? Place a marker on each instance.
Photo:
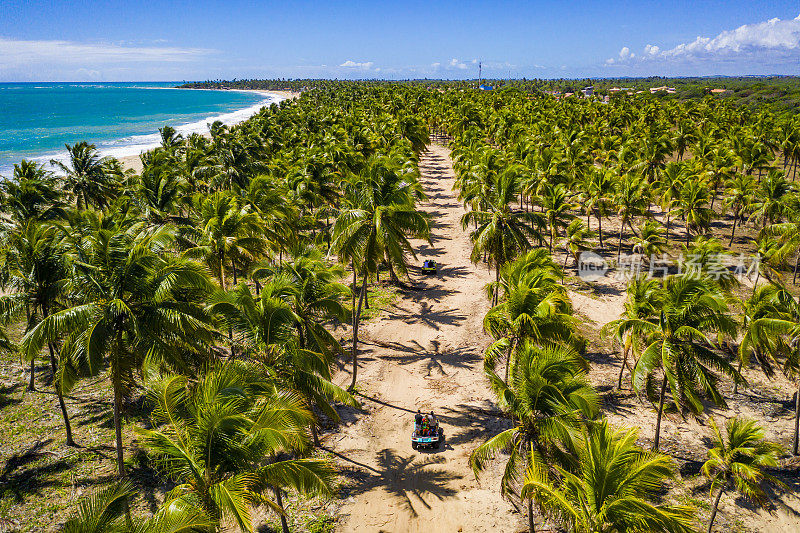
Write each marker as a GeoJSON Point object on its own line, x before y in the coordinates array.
{"type": "Point", "coordinates": [136, 144]}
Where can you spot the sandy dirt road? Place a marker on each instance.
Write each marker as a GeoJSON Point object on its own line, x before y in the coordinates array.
{"type": "Point", "coordinates": [426, 352]}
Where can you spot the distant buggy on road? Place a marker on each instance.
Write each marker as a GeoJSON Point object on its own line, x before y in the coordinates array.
{"type": "Point", "coordinates": [429, 266]}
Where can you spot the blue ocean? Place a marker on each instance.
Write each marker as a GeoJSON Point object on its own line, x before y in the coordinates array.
{"type": "Point", "coordinates": [38, 119]}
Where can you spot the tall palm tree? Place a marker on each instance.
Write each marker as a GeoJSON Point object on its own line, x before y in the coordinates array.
{"type": "Point", "coordinates": [32, 194]}
{"type": "Point", "coordinates": [611, 488]}
{"type": "Point", "coordinates": [228, 232]}
{"type": "Point", "coordinates": [36, 264]}
{"type": "Point", "coordinates": [770, 201]}
{"type": "Point", "coordinates": [641, 303]}
{"type": "Point", "coordinates": [690, 309]}
{"type": "Point", "coordinates": [228, 439]}
{"type": "Point", "coordinates": [577, 240]}
{"type": "Point", "coordinates": [556, 206]}
{"type": "Point", "coordinates": [740, 191]}
{"type": "Point", "coordinates": [376, 226]}
{"type": "Point", "coordinates": [650, 241]}
{"type": "Point", "coordinates": [501, 233]}
{"type": "Point", "coordinates": [737, 461]}
{"type": "Point", "coordinates": [693, 207]}
{"type": "Point", "coordinates": [133, 302]}
{"type": "Point", "coordinates": [85, 176]}
{"type": "Point", "coordinates": [547, 395]}
{"type": "Point", "coordinates": [631, 201]}
{"type": "Point", "coordinates": [269, 332]}
{"type": "Point", "coordinates": [599, 192]}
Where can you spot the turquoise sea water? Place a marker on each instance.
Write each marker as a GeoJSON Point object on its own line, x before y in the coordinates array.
{"type": "Point", "coordinates": [37, 119]}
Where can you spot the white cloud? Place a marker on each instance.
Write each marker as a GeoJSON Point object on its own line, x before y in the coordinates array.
{"type": "Point", "coordinates": [774, 40]}
{"type": "Point", "coordinates": [436, 65]}
{"type": "Point", "coordinates": [21, 53]}
{"type": "Point", "coordinates": [455, 63]}
{"type": "Point", "coordinates": [774, 34]}
{"type": "Point", "coordinates": [366, 65]}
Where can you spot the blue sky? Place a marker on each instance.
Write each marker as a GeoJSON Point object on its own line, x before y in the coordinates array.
{"type": "Point", "coordinates": [198, 40]}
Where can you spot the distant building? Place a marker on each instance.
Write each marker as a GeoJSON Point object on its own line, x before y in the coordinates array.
{"type": "Point", "coordinates": [588, 91]}
{"type": "Point", "coordinates": [718, 91]}
{"type": "Point", "coordinates": [486, 87]}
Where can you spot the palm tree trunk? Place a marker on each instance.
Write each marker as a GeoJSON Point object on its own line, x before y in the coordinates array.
{"type": "Point", "coordinates": [755, 284]}
{"type": "Point", "coordinates": [531, 522]}
{"type": "Point", "coordinates": [733, 228]}
{"type": "Point", "coordinates": [279, 501]}
{"type": "Point", "coordinates": [736, 381]}
{"type": "Point", "coordinates": [356, 319]}
{"type": "Point", "coordinates": [667, 234]}
{"type": "Point", "coordinates": [796, 265]}
{"type": "Point", "coordinates": [622, 368]}
{"type": "Point", "coordinates": [116, 383]}
{"type": "Point", "coordinates": [600, 229]}
{"type": "Point", "coordinates": [314, 433]}
{"type": "Point", "coordinates": [355, 286]}
{"type": "Point", "coordinates": [59, 394]}
{"type": "Point", "coordinates": [32, 381]}
{"type": "Point", "coordinates": [795, 447]}
{"type": "Point", "coordinates": [714, 509]}
{"type": "Point", "coordinates": [496, 283]}
{"type": "Point", "coordinates": [660, 412]}
{"type": "Point", "coordinates": [619, 244]}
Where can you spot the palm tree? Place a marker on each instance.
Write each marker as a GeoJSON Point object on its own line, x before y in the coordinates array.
{"type": "Point", "coordinates": [229, 232]}
{"type": "Point", "coordinates": [650, 241]}
{"type": "Point", "coordinates": [225, 440]}
{"type": "Point", "coordinates": [740, 191]}
{"type": "Point", "coordinates": [377, 226]}
{"type": "Point", "coordinates": [611, 488]}
{"type": "Point", "coordinates": [690, 309]}
{"type": "Point", "coordinates": [106, 511]}
{"type": "Point", "coordinates": [777, 338]}
{"type": "Point", "coordinates": [641, 304]}
{"type": "Point", "coordinates": [556, 206]}
{"type": "Point", "coordinates": [738, 462]}
{"type": "Point", "coordinates": [669, 188]}
{"type": "Point", "coordinates": [37, 269]}
{"type": "Point", "coordinates": [32, 194]}
{"type": "Point", "coordinates": [577, 240]}
{"type": "Point", "coordinates": [631, 202]}
{"type": "Point", "coordinates": [769, 204]}
{"type": "Point", "coordinates": [501, 233]}
{"type": "Point", "coordinates": [133, 302]}
{"type": "Point", "coordinates": [85, 176]}
{"type": "Point", "coordinates": [316, 296]}
{"type": "Point", "coordinates": [270, 333]}
{"type": "Point", "coordinates": [599, 188]}
{"type": "Point", "coordinates": [693, 207]}
{"type": "Point", "coordinates": [546, 395]}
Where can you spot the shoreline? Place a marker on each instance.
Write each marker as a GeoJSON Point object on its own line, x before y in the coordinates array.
{"type": "Point", "coordinates": [133, 161]}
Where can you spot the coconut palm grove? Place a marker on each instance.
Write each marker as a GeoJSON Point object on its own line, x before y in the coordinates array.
{"type": "Point", "coordinates": [237, 334]}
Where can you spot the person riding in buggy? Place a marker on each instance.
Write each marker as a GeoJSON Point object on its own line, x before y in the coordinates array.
{"type": "Point", "coordinates": [427, 432]}
{"type": "Point", "coordinates": [429, 266]}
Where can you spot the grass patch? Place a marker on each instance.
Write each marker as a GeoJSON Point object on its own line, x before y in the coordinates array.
{"type": "Point", "coordinates": [380, 297]}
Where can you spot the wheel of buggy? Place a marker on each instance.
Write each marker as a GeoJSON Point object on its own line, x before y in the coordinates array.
{"type": "Point", "coordinates": [413, 445]}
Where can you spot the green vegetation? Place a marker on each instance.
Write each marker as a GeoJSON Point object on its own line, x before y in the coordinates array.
{"type": "Point", "coordinates": [198, 300]}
